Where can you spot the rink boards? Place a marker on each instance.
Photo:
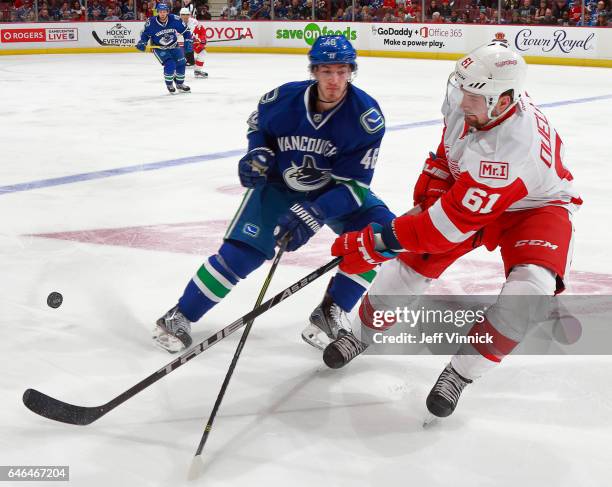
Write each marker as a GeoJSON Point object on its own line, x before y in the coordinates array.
{"type": "Point", "coordinates": [579, 46]}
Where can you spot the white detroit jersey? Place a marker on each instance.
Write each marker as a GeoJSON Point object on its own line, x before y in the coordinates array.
{"type": "Point", "coordinates": [519, 149]}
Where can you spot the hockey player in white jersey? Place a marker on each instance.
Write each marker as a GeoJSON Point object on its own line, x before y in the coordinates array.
{"type": "Point", "coordinates": [497, 179]}
{"type": "Point", "coordinates": [198, 54]}
{"type": "Point", "coordinates": [191, 23]}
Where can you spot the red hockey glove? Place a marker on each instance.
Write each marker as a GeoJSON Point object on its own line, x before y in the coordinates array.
{"type": "Point", "coordinates": [199, 46]}
{"type": "Point", "coordinates": [358, 251]}
{"type": "Point", "coordinates": [434, 181]}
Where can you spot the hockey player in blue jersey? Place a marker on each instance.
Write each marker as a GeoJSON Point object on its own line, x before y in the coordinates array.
{"type": "Point", "coordinates": [312, 150]}
{"type": "Point", "coordinates": [163, 30]}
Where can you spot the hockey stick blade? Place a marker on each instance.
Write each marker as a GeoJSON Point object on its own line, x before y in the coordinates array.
{"type": "Point", "coordinates": [57, 410]}
{"type": "Point", "coordinates": [51, 408]}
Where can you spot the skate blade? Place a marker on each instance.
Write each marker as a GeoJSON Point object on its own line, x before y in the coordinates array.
{"type": "Point", "coordinates": [315, 337]}
{"type": "Point", "coordinates": [167, 342]}
{"type": "Point", "coordinates": [430, 421]}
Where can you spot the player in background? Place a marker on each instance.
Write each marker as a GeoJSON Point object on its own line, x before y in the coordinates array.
{"type": "Point", "coordinates": [199, 46]}
{"type": "Point", "coordinates": [163, 31]}
{"type": "Point", "coordinates": [191, 23]}
{"type": "Point", "coordinates": [312, 148]}
{"type": "Point", "coordinates": [497, 179]}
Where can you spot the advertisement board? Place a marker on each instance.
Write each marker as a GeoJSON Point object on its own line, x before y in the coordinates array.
{"type": "Point", "coordinates": [544, 44]}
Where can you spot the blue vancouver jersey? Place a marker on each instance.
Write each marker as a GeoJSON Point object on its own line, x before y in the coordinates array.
{"type": "Point", "coordinates": [164, 34]}
{"type": "Point", "coordinates": [331, 154]}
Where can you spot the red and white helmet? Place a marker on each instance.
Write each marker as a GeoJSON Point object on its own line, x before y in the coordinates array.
{"type": "Point", "coordinates": [491, 70]}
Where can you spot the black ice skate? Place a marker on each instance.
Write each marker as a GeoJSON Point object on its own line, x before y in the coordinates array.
{"type": "Point", "coordinates": [327, 322]}
{"type": "Point", "coordinates": [444, 396]}
{"type": "Point", "coordinates": [183, 88]}
{"type": "Point", "coordinates": [200, 74]}
{"type": "Point", "coordinates": [341, 351]}
{"type": "Point", "coordinates": [171, 89]}
{"type": "Point", "coordinates": [173, 331]}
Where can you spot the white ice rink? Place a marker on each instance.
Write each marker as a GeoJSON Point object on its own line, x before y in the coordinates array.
{"type": "Point", "coordinates": [112, 192]}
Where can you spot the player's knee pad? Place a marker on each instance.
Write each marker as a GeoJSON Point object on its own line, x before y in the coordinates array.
{"type": "Point", "coordinates": [240, 258]}
{"type": "Point", "coordinates": [524, 301]}
{"type": "Point", "coordinates": [526, 298]}
{"type": "Point", "coordinates": [181, 63]}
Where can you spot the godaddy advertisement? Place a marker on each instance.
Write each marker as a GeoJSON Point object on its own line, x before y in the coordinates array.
{"type": "Point", "coordinates": [420, 38]}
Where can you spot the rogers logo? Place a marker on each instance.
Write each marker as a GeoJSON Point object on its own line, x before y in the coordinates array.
{"type": "Point", "coordinates": [23, 35]}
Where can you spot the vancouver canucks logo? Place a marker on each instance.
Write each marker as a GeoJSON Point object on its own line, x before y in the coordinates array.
{"type": "Point", "coordinates": [372, 121]}
{"type": "Point", "coordinates": [166, 40]}
{"type": "Point", "coordinates": [306, 177]}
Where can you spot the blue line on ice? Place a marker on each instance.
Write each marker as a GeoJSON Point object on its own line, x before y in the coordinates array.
{"type": "Point", "coordinates": [88, 176]}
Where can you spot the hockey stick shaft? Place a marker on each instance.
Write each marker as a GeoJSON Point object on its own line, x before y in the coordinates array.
{"type": "Point", "coordinates": [241, 343]}
{"type": "Point", "coordinates": [225, 40]}
{"type": "Point", "coordinates": [57, 410]}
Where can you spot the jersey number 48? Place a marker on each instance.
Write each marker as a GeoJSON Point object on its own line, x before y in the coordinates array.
{"type": "Point", "coordinates": [369, 159]}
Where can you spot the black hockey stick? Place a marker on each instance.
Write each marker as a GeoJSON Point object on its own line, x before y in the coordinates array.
{"type": "Point", "coordinates": [196, 465]}
{"type": "Point", "coordinates": [97, 38]}
{"type": "Point", "coordinates": [226, 40]}
{"type": "Point", "coordinates": [57, 410]}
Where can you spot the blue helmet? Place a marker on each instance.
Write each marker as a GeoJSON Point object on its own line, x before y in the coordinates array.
{"type": "Point", "coordinates": [334, 49]}
{"type": "Point", "coordinates": [162, 6]}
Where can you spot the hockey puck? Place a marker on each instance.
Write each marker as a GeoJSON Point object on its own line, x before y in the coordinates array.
{"type": "Point", "coordinates": [54, 300]}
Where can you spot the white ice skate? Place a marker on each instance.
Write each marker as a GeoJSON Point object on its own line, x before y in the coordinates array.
{"type": "Point", "coordinates": [327, 322]}
{"type": "Point", "coordinates": [172, 331]}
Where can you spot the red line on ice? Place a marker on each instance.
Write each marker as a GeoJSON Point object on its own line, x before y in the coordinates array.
{"type": "Point", "coordinates": [204, 238]}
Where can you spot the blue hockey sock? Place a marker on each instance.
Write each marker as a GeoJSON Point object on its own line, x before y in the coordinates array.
{"type": "Point", "coordinates": [216, 278]}
{"type": "Point", "coordinates": [180, 72]}
{"type": "Point", "coordinates": [347, 289]}
{"type": "Point", "coordinates": [169, 73]}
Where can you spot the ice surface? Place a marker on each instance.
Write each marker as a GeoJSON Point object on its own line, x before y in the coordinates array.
{"type": "Point", "coordinates": [120, 247]}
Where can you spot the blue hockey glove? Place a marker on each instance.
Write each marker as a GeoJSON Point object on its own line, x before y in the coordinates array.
{"type": "Point", "coordinates": [253, 166]}
{"type": "Point", "coordinates": [141, 46]}
{"type": "Point", "coordinates": [301, 222]}
{"type": "Point", "coordinates": [188, 44]}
